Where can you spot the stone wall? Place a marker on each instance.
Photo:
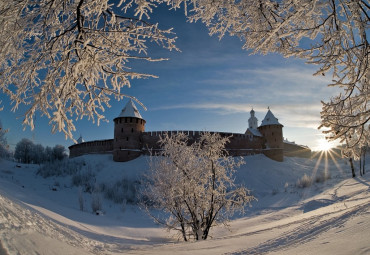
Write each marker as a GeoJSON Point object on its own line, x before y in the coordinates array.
{"type": "Point", "coordinates": [239, 145]}
{"type": "Point", "coordinates": [99, 147]}
{"type": "Point", "coordinates": [275, 154]}
{"type": "Point", "coordinates": [295, 150]}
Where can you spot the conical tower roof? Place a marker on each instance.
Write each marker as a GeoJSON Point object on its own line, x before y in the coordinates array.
{"type": "Point", "coordinates": [270, 119]}
{"type": "Point", "coordinates": [80, 139]}
{"type": "Point", "coordinates": [130, 110]}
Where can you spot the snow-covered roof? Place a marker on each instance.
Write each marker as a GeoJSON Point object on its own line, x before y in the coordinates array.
{"type": "Point", "coordinates": [130, 110]}
{"type": "Point", "coordinates": [80, 140]}
{"type": "Point", "coordinates": [254, 132]}
{"type": "Point", "coordinates": [270, 119]}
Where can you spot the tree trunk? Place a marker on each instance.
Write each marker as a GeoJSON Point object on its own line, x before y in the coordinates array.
{"type": "Point", "coordinates": [183, 231]}
{"type": "Point", "coordinates": [352, 168]}
{"type": "Point", "coordinates": [361, 162]}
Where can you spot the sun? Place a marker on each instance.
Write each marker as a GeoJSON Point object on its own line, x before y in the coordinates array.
{"type": "Point", "coordinates": [324, 145]}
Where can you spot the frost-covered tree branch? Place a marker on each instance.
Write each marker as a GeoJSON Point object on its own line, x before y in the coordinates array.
{"type": "Point", "coordinates": [192, 181]}
{"type": "Point", "coordinates": [66, 58]}
{"type": "Point", "coordinates": [347, 118]}
{"type": "Point", "coordinates": [333, 34]}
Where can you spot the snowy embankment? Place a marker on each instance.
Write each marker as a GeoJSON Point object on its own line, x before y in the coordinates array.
{"type": "Point", "coordinates": [42, 215]}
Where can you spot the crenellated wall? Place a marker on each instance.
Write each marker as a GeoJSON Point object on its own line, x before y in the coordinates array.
{"type": "Point", "coordinates": [239, 145]}
{"type": "Point", "coordinates": [99, 146]}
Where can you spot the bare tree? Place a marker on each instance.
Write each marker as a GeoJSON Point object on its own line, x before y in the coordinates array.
{"type": "Point", "coordinates": [24, 150]}
{"type": "Point", "coordinates": [362, 160]}
{"type": "Point", "coordinates": [192, 182]}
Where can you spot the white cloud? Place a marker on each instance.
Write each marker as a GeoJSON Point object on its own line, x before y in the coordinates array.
{"type": "Point", "coordinates": [289, 115]}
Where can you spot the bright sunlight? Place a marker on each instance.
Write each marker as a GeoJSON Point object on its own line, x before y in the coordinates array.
{"type": "Point", "coordinates": [324, 145]}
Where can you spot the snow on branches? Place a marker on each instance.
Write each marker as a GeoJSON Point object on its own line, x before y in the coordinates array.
{"type": "Point", "coordinates": [192, 181]}
{"type": "Point", "coordinates": [333, 34]}
{"type": "Point", "coordinates": [66, 58]}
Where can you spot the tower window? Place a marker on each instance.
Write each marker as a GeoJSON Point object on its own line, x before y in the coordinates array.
{"type": "Point", "coordinates": [126, 120]}
{"type": "Point", "coordinates": [120, 120]}
{"type": "Point", "coordinates": [132, 130]}
{"type": "Point", "coordinates": [130, 119]}
{"type": "Point", "coordinates": [126, 138]}
{"type": "Point", "coordinates": [272, 133]}
{"type": "Point", "coordinates": [137, 120]}
{"type": "Point", "coordinates": [121, 130]}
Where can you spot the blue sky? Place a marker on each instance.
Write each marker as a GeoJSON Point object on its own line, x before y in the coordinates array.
{"type": "Point", "coordinates": [210, 85]}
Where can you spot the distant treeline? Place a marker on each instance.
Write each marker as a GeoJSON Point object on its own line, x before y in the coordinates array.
{"type": "Point", "coordinates": [27, 152]}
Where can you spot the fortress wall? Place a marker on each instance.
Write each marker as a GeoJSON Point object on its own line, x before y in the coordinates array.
{"type": "Point", "coordinates": [295, 150]}
{"type": "Point", "coordinates": [239, 145]}
{"type": "Point", "coordinates": [100, 146]}
{"type": "Point", "coordinates": [274, 154]}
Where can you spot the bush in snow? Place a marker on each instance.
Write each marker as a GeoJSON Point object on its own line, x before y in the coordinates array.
{"type": "Point", "coordinates": [96, 200]}
{"type": "Point", "coordinates": [84, 178]}
{"type": "Point", "coordinates": [123, 190]}
{"type": "Point", "coordinates": [60, 168]}
{"type": "Point", "coordinates": [322, 177]}
{"type": "Point", "coordinates": [80, 199]}
{"type": "Point", "coordinates": [304, 182]}
{"type": "Point", "coordinates": [193, 184]}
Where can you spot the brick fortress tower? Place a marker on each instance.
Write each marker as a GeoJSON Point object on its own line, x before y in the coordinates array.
{"type": "Point", "coordinates": [272, 131]}
{"type": "Point", "coordinates": [128, 129]}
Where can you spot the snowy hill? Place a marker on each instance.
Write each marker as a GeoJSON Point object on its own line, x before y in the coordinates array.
{"type": "Point", "coordinates": [42, 215]}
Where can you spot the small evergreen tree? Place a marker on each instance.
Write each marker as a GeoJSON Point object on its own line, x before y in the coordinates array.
{"type": "Point", "coordinates": [192, 182]}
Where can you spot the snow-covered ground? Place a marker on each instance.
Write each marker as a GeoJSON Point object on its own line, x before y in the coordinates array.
{"type": "Point", "coordinates": [42, 215]}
